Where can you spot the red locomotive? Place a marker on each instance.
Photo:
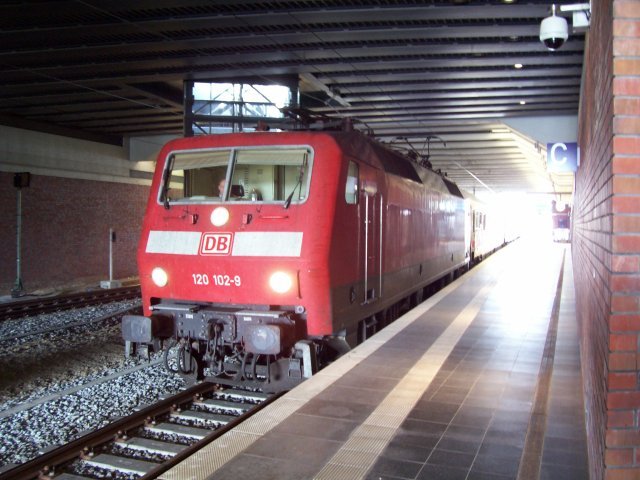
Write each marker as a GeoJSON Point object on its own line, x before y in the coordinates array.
{"type": "Point", "coordinates": [263, 253]}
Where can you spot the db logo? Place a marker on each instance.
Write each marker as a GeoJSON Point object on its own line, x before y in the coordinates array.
{"type": "Point", "coordinates": [216, 243]}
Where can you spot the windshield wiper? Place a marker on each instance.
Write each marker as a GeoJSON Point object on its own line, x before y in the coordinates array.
{"type": "Point", "coordinates": [287, 202]}
{"type": "Point", "coordinates": [165, 184]}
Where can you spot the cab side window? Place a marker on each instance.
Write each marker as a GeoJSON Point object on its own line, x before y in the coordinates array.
{"type": "Point", "coordinates": [351, 188]}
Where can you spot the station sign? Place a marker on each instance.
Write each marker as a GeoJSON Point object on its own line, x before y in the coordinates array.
{"type": "Point", "coordinates": [562, 157]}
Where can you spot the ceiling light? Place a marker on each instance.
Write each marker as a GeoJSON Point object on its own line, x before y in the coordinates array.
{"type": "Point", "coordinates": [522, 102]}
{"type": "Point", "coordinates": [517, 65]}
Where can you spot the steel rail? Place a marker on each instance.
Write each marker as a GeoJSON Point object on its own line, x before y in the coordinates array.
{"type": "Point", "coordinates": [178, 458]}
{"type": "Point", "coordinates": [54, 461]}
{"type": "Point", "coordinates": [101, 320]}
{"type": "Point", "coordinates": [23, 308]}
{"type": "Point", "coordinates": [72, 450]}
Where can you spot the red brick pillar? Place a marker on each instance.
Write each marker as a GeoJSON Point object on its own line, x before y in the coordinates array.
{"type": "Point", "coordinates": [607, 239]}
{"type": "Point", "coordinates": [622, 460]}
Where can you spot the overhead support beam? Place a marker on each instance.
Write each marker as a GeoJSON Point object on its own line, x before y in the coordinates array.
{"type": "Point", "coordinates": [428, 83]}
{"type": "Point", "coordinates": [435, 94]}
{"type": "Point", "coordinates": [160, 91]}
{"type": "Point", "coordinates": [399, 76]}
{"type": "Point", "coordinates": [309, 83]}
{"type": "Point", "coordinates": [19, 122]}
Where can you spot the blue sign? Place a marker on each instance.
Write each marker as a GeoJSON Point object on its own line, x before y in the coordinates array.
{"type": "Point", "coordinates": [562, 157]}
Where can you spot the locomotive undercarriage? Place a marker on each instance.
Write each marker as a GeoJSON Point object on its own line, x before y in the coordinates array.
{"type": "Point", "coordinates": [255, 347]}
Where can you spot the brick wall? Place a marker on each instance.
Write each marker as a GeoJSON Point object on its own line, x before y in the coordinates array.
{"type": "Point", "coordinates": [592, 227]}
{"type": "Point", "coordinates": [65, 230]}
{"type": "Point", "coordinates": [606, 250]}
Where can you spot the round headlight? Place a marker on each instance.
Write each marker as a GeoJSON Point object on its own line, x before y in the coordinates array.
{"type": "Point", "coordinates": [159, 277]}
{"type": "Point", "coordinates": [219, 216]}
{"type": "Point", "coordinates": [280, 282]}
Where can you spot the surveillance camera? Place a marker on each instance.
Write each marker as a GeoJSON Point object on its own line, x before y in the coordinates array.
{"type": "Point", "coordinates": [554, 31]}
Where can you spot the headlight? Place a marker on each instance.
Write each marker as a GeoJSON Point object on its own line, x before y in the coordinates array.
{"type": "Point", "coordinates": [159, 277]}
{"type": "Point", "coordinates": [219, 216]}
{"type": "Point", "coordinates": [280, 282]}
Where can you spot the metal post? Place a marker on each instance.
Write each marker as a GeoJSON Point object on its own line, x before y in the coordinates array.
{"type": "Point", "coordinates": [188, 116]}
{"type": "Point", "coordinates": [111, 283]}
{"type": "Point", "coordinates": [17, 290]}
{"type": "Point", "coordinates": [111, 255]}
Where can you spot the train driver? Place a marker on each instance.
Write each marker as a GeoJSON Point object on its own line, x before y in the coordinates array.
{"type": "Point", "coordinates": [235, 191]}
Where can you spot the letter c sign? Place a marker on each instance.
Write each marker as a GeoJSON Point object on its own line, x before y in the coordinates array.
{"type": "Point", "coordinates": [562, 157]}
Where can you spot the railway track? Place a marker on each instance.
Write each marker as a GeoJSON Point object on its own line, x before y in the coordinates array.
{"type": "Point", "coordinates": [150, 441]}
{"type": "Point", "coordinates": [103, 320]}
{"type": "Point", "coordinates": [51, 304]}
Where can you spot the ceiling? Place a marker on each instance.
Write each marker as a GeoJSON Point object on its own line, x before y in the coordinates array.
{"type": "Point", "coordinates": [440, 69]}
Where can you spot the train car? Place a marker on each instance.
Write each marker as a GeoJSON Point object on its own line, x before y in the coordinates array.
{"type": "Point", "coordinates": [561, 223]}
{"type": "Point", "coordinates": [264, 253]}
{"type": "Point", "coordinates": [487, 227]}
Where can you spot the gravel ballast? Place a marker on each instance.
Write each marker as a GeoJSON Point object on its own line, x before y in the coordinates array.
{"type": "Point", "coordinates": [70, 379]}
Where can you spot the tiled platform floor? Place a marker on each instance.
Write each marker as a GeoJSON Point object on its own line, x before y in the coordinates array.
{"type": "Point", "coordinates": [446, 392]}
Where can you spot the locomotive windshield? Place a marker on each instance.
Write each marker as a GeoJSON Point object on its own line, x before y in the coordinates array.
{"type": "Point", "coordinates": [266, 174]}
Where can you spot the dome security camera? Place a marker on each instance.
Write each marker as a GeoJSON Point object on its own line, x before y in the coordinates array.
{"type": "Point", "coordinates": [554, 31]}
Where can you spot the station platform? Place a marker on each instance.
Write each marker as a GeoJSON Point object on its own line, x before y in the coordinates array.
{"type": "Point", "coordinates": [480, 381]}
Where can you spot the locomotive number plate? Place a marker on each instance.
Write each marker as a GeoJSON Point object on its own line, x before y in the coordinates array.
{"type": "Point", "coordinates": [217, 280]}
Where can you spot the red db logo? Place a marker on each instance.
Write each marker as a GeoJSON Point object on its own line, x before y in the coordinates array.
{"type": "Point", "coordinates": [216, 243]}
